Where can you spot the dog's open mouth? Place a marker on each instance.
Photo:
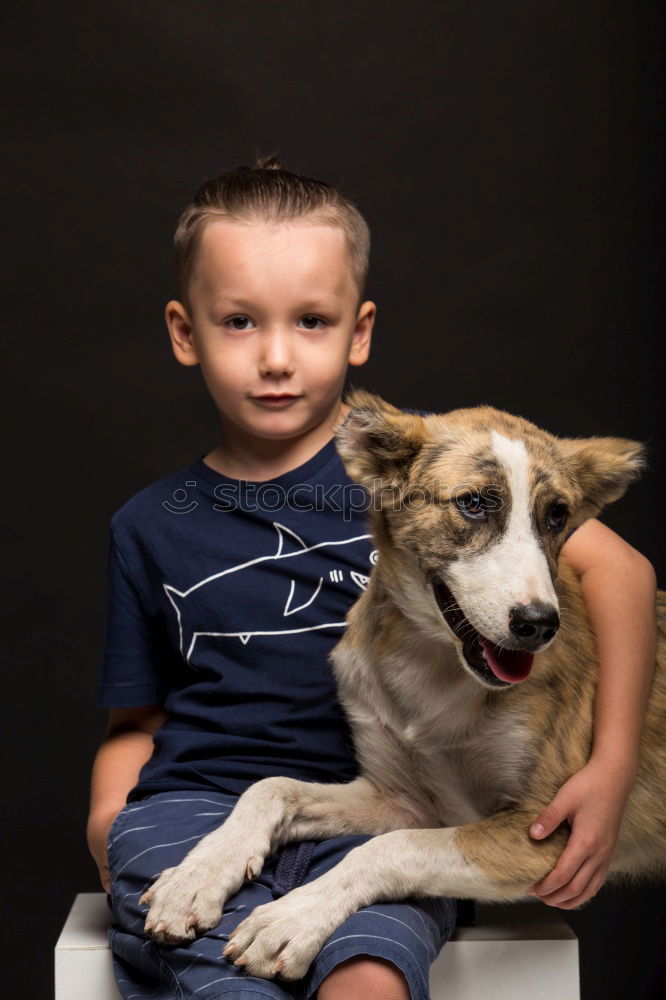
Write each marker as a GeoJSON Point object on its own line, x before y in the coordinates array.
{"type": "Point", "coordinates": [494, 664]}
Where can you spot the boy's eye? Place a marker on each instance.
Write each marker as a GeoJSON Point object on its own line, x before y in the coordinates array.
{"type": "Point", "coordinates": [239, 322]}
{"type": "Point", "coordinates": [310, 322]}
{"type": "Point", "coordinates": [245, 323]}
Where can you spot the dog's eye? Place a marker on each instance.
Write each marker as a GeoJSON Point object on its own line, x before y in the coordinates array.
{"type": "Point", "coordinates": [472, 504]}
{"type": "Point", "coordinates": [557, 516]}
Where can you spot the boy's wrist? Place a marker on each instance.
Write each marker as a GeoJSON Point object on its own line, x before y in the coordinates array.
{"type": "Point", "coordinates": [620, 764]}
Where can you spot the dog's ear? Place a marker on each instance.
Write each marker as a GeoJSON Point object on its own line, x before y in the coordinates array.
{"type": "Point", "coordinates": [602, 468]}
{"type": "Point", "coordinates": [377, 441]}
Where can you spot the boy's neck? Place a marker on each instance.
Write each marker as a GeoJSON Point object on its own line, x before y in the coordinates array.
{"type": "Point", "coordinates": [241, 456]}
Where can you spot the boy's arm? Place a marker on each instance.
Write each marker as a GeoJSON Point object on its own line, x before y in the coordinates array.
{"type": "Point", "coordinates": [126, 748]}
{"type": "Point", "coordinates": [619, 590]}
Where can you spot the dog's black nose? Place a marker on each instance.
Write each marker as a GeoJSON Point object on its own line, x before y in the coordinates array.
{"type": "Point", "coordinates": [537, 623]}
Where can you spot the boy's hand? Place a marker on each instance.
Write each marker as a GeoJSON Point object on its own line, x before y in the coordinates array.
{"type": "Point", "coordinates": [593, 802]}
{"type": "Point", "coordinates": [98, 834]}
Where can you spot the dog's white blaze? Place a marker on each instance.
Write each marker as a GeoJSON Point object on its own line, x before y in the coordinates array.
{"type": "Point", "coordinates": [512, 571]}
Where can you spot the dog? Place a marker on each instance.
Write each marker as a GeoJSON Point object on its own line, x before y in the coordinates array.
{"type": "Point", "coordinates": [467, 672]}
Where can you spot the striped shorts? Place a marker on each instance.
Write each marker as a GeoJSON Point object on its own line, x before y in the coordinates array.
{"type": "Point", "coordinates": [157, 832]}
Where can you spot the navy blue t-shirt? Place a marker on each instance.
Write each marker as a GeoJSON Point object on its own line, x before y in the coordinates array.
{"type": "Point", "coordinates": [225, 598]}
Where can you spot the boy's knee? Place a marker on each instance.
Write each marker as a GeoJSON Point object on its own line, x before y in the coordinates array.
{"type": "Point", "coordinates": [364, 978]}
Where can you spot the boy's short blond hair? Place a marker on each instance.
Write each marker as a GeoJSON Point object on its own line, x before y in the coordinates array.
{"type": "Point", "coordinates": [267, 192]}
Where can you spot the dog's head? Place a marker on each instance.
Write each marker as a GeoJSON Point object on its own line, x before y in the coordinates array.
{"type": "Point", "coordinates": [471, 509]}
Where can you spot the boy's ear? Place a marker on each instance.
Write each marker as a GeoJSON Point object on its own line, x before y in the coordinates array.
{"type": "Point", "coordinates": [602, 468]}
{"type": "Point", "coordinates": [360, 344]}
{"type": "Point", "coordinates": [377, 441]}
{"type": "Point", "coordinates": [179, 326]}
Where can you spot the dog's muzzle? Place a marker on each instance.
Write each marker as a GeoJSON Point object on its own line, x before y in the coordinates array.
{"type": "Point", "coordinates": [532, 626]}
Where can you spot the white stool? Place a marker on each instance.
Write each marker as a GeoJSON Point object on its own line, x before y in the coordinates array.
{"type": "Point", "coordinates": [521, 951]}
{"type": "Point", "coordinates": [515, 952]}
{"type": "Point", "coordinates": [83, 968]}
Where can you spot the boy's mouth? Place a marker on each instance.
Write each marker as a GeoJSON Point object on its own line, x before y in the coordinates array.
{"type": "Point", "coordinates": [276, 399]}
{"type": "Point", "coordinates": [495, 665]}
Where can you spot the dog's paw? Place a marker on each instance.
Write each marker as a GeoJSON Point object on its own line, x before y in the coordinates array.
{"type": "Point", "coordinates": [184, 902]}
{"type": "Point", "coordinates": [187, 900]}
{"type": "Point", "coordinates": [279, 938]}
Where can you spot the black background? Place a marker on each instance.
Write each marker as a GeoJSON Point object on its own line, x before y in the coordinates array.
{"type": "Point", "coordinates": [507, 158]}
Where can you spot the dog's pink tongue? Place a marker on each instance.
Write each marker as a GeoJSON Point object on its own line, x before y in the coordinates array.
{"type": "Point", "coordinates": [511, 665]}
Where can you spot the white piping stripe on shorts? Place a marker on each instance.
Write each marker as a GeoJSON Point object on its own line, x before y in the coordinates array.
{"type": "Point", "coordinates": [131, 830]}
{"type": "Point", "coordinates": [417, 914]}
{"type": "Point", "coordinates": [377, 913]}
{"type": "Point", "coordinates": [194, 961]}
{"type": "Point", "coordinates": [119, 981]}
{"type": "Point", "coordinates": [174, 843]}
{"type": "Point", "coordinates": [146, 804]}
{"type": "Point", "coordinates": [241, 976]}
{"type": "Point", "coordinates": [241, 906]}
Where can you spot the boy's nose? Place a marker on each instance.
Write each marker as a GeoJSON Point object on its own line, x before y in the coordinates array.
{"type": "Point", "coordinates": [276, 354]}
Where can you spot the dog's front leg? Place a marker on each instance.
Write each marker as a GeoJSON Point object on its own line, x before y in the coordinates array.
{"type": "Point", "coordinates": [494, 859]}
{"type": "Point", "coordinates": [188, 899]}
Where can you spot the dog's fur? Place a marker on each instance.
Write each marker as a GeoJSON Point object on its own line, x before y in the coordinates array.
{"type": "Point", "coordinates": [456, 762]}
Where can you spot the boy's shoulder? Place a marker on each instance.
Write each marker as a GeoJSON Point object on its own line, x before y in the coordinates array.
{"type": "Point", "coordinates": [166, 493]}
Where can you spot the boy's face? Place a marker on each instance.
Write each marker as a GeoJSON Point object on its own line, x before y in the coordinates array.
{"type": "Point", "coordinates": [273, 310]}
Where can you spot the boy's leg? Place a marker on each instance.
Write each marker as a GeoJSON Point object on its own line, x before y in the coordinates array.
{"type": "Point", "coordinates": [157, 833]}
{"type": "Point", "coordinates": [364, 978]}
{"type": "Point", "coordinates": [151, 835]}
{"type": "Point", "coordinates": [384, 950]}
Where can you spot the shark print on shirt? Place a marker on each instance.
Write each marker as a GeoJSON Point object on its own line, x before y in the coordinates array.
{"type": "Point", "coordinates": [293, 607]}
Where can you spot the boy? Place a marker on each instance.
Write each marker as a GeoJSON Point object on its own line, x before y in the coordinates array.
{"type": "Point", "coordinates": [228, 586]}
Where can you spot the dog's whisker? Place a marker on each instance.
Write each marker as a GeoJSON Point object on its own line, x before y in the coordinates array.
{"type": "Point", "coordinates": [452, 607]}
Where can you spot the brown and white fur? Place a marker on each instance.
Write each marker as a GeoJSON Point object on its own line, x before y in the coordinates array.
{"type": "Point", "coordinates": [469, 513]}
